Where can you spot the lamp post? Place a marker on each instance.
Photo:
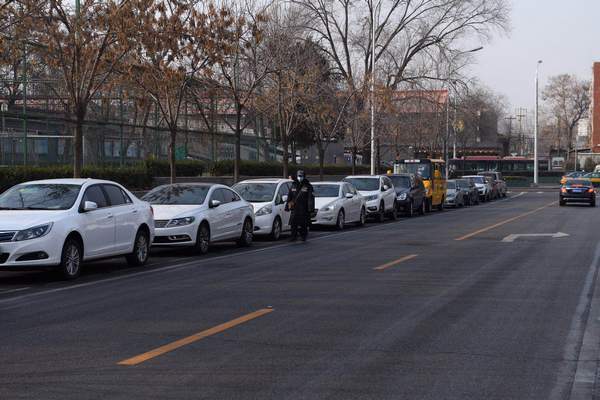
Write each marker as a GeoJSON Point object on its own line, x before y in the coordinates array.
{"type": "Point", "coordinates": [536, 124]}
{"type": "Point", "coordinates": [373, 42]}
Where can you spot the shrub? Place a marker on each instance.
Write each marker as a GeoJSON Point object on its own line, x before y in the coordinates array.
{"type": "Point", "coordinates": [270, 168]}
{"type": "Point", "coordinates": [182, 168]}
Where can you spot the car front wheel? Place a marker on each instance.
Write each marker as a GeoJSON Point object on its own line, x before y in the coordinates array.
{"type": "Point", "coordinates": [341, 221]}
{"type": "Point", "coordinates": [276, 230]}
{"type": "Point", "coordinates": [202, 239]}
{"type": "Point", "coordinates": [70, 261]}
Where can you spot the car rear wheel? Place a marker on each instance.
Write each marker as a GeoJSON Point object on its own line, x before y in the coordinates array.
{"type": "Point", "coordinates": [440, 206]}
{"type": "Point", "coordinates": [363, 217]}
{"type": "Point", "coordinates": [394, 212]}
{"type": "Point", "coordinates": [562, 203]}
{"type": "Point", "coordinates": [70, 261]}
{"type": "Point", "coordinates": [422, 208]}
{"type": "Point", "coordinates": [381, 213]}
{"type": "Point", "coordinates": [245, 239]}
{"type": "Point", "coordinates": [410, 211]}
{"type": "Point", "coordinates": [427, 205]}
{"type": "Point", "coordinates": [341, 221]}
{"type": "Point", "coordinates": [202, 239]}
{"type": "Point", "coordinates": [593, 203]}
{"type": "Point", "coordinates": [141, 249]}
{"type": "Point", "coordinates": [276, 229]}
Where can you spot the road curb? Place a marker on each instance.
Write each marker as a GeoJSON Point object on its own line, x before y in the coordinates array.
{"type": "Point", "coordinates": [584, 382]}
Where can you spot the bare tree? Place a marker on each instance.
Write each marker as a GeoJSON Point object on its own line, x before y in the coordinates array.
{"type": "Point", "coordinates": [569, 100]}
{"type": "Point", "coordinates": [243, 70]}
{"type": "Point", "coordinates": [180, 42]}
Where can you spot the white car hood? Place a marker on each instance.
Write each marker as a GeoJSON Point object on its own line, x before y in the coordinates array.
{"type": "Point", "coordinates": [14, 220]}
{"type": "Point", "coordinates": [321, 202]}
{"type": "Point", "coordinates": [365, 193]}
{"type": "Point", "coordinates": [258, 206]}
{"type": "Point", "coordinates": [169, 211]}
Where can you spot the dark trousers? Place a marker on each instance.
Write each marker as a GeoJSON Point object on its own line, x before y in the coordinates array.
{"type": "Point", "coordinates": [299, 227]}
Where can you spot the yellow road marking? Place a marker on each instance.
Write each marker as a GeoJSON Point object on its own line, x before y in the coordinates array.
{"type": "Point", "coordinates": [194, 338]}
{"type": "Point", "coordinates": [488, 228]}
{"type": "Point", "coordinates": [395, 262]}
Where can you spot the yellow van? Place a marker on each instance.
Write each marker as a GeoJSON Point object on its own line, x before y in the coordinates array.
{"type": "Point", "coordinates": [433, 174]}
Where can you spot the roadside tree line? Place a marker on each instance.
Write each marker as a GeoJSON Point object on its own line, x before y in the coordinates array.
{"type": "Point", "coordinates": [304, 68]}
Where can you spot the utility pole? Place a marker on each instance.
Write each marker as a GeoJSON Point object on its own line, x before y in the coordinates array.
{"type": "Point", "coordinates": [521, 114]}
{"type": "Point", "coordinates": [536, 123]}
{"type": "Point", "coordinates": [373, 45]}
{"type": "Point", "coordinates": [510, 121]}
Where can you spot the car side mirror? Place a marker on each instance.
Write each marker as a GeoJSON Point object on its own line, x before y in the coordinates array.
{"type": "Point", "coordinates": [214, 204]}
{"type": "Point", "coordinates": [90, 206]}
{"type": "Point", "coordinates": [349, 195]}
{"type": "Point", "coordinates": [385, 187]}
{"type": "Point", "coordinates": [284, 198]}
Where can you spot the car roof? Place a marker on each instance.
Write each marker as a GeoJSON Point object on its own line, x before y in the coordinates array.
{"type": "Point", "coordinates": [408, 175]}
{"type": "Point", "coordinates": [266, 180]}
{"type": "Point", "coordinates": [70, 181]}
{"type": "Point", "coordinates": [363, 176]}
{"type": "Point", "coordinates": [327, 183]}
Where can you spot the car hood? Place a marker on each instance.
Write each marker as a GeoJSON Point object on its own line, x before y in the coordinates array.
{"type": "Point", "coordinates": [321, 202]}
{"type": "Point", "coordinates": [366, 193]}
{"type": "Point", "coordinates": [402, 190]}
{"type": "Point", "coordinates": [14, 220]}
{"type": "Point", "coordinates": [176, 211]}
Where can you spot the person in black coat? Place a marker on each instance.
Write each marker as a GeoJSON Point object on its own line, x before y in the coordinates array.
{"type": "Point", "coordinates": [301, 202]}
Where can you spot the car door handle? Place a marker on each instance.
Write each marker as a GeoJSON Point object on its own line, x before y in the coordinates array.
{"type": "Point", "coordinates": [134, 211]}
{"type": "Point", "coordinates": [109, 216]}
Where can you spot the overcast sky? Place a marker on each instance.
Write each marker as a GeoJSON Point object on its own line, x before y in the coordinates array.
{"type": "Point", "coordinates": [564, 34]}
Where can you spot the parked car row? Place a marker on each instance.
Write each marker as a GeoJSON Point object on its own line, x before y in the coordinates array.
{"type": "Point", "coordinates": [61, 223]}
{"type": "Point", "coordinates": [470, 190]}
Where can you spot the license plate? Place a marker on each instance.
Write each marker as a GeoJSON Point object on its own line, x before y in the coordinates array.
{"type": "Point", "coordinates": [577, 190]}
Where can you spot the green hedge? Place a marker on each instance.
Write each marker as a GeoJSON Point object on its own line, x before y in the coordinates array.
{"type": "Point", "coordinates": [130, 177]}
{"type": "Point", "coordinates": [255, 168]}
{"type": "Point", "coordinates": [182, 168]}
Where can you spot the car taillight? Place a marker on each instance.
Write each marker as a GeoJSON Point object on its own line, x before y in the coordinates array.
{"type": "Point", "coordinates": [563, 190]}
{"type": "Point", "coordinates": [590, 190]}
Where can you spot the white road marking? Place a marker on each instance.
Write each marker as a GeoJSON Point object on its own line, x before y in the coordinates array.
{"type": "Point", "coordinates": [14, 290]}
{"type": "Point", "coordinates": [511, 238]}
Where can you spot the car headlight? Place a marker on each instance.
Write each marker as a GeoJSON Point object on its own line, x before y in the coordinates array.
{"type": "Point", "coordinates": [402, 196]}
{"type": "Point", "coordinates": [180, 222]}
{"type": "Point", "coordinates": [371, 198]}
{"type": "Point", "coordinates": [328, 207]}
{"type": "Point", "coordinates": [33, 233]}
{"type": "Point", "coordinates": [268, 209]}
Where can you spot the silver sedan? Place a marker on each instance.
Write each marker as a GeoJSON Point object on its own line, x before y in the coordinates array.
{"type": "Point", "coordinates": [338, 203]}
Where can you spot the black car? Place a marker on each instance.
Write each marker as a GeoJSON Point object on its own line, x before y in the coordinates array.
{"type": "Point", "coordinates": [410, 194]}
{"type": "Point", "coordinates": [577, 191]}
{"type": "Point", "coordinates": [470, 190]}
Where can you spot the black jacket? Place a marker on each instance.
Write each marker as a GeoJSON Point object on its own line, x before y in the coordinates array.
{"type": "Point", "coordinates": [301, 200]}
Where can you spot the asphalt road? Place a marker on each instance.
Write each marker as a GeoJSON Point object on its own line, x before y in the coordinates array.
{"type": "Point", "coordinates": [434, 307]}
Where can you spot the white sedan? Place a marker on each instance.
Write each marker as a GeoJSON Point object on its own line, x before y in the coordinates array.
{"type": "Point", "coordinates": [62, 222]}
{"type": "Point", "coordinates": [267, 196]}
{"type": "Point", "coordinates": [338, 203]}
{"type": "Point", "coordinates": [199, 214]}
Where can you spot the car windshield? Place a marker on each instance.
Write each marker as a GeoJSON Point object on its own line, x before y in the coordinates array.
{"type": "Point", "coordinates": [463, 183]}
{"type": "Point", "coordinates": [478, 179]}
{"type": "Point", "coordinates": [451, 185]}
{"type": "Point", "coordinates": [326, 190]}
{"type": "Point", "coordinates": [578, 182]}
{"type": "Point", "coordinates": [401, 182]}
{"type": "Point", "coordinates": [364, 184]}
{"type": "Point", "coordinates": [421, 169]}
{"type": "Point", "coordinates": [177, 195]}
{"type": "Point", "coordinates": [256, 192]}
{"type": "Point", "coordinates": [39, 197]}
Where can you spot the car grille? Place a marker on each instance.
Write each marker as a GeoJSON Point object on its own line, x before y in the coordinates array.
{"type": "Point", "coordinates": [160, 223]}
{"type": "Point", "coordinates": [6, 236]}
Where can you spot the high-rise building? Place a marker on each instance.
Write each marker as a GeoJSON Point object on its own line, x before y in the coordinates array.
{"type": "Point", "coordinates": [595, 111]}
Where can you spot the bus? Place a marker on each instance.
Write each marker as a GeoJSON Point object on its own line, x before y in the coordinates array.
{"type": "Point", "coordinates": [433, 174]}
{"type": "Point", "coordinates": [471, 165]}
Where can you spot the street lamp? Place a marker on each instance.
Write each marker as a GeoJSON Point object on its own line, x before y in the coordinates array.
{"type": "Point", "coordinates": [536, 124]}
{"type": "Point", "coordinates": [373, 41]}
{"type": "Point", "coordinates": [3, 110]}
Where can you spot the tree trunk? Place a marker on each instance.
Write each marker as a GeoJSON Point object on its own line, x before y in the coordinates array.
{"type": "Point", "coordinates": [286, 155]}
{"type": "Point", "coordinates": [321, 151]}
{"type": "Point", "coordinates": [354, 160]}
{"type": "Point", "coordinates": [172, 145]}
{"type": "Point", "coordinates": [78, 146]}
{"type": "Point", "coordinates": [238, 145]}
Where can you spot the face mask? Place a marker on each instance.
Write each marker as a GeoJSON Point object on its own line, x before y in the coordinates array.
{"type": "Point", "coordinates": [300, 178]}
